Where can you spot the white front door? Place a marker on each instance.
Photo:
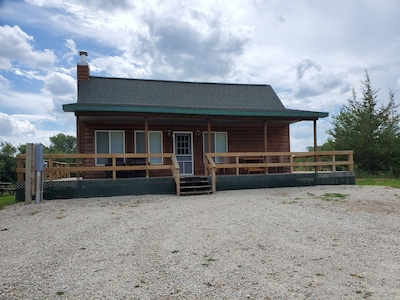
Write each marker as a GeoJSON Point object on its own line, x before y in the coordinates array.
{"type": "Point", "coordinates": [183, 149]}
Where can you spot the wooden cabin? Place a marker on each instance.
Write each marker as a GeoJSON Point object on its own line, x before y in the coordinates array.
{"type": "Point", "coordinates": [189, 119]}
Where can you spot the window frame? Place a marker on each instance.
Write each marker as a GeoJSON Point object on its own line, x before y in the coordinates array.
{"type": "Point", "coordinates": [205, 143]}
{"type": "Point", "coordinates": [109, 144]}
{"type": "Point", "coordinates": [161, 161]}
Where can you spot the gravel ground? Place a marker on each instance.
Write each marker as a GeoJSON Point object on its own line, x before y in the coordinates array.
{"type": "Point", "coordinates": [324, 242]}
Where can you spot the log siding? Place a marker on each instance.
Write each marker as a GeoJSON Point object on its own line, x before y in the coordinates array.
{"type": "Point", "coordinates": [243, 135]}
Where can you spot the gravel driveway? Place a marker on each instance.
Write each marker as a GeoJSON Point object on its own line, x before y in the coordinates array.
{"type": "Point", "coordinates": [323, 242]}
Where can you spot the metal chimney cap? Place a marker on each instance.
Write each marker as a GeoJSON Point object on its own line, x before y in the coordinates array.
{"type": "Point", "coordinates": [83, 55]}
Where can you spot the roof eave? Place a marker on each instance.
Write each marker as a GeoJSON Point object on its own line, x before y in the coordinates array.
{"type": "Point", "coordinates": [75, 107]}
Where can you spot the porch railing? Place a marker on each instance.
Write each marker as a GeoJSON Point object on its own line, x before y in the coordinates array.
{"type": "Point", "coordinates": [277, 162]}
{"type": "Point", "coordinates": [214, 163]}
{"type": "Point", "coordinates": [79, 163]}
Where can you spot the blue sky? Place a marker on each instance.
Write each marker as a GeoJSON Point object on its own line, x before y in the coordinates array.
{"type": "Point", "coordinates": [311, 52]}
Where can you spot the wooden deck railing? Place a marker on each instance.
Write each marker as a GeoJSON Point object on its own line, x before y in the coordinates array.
{"type": "Point", "coordinates": [56, 170]}
{"type": "Point", "coordinates": [215, 164]}
{"type": "Point", "coordinates": [288, 162]}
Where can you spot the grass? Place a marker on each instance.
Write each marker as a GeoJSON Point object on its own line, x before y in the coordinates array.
{"type": "Point", "coordinates": [7, 200]}
{"type": "Point", "coordinates": [379, 181]}
{"type": "Point", "coordinates": [334, 197]}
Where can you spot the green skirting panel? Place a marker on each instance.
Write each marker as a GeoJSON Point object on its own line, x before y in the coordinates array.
{"type": "Point", "coordinates": [85, 188]}
{"type": "Point", "coordinates": [68, 189]}
{"type": "Point", "coordinates": [258, 181]}
{"type": "Point", "coordinates": [347, 178]}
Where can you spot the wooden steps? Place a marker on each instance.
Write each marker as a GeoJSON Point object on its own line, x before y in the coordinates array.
{"type": "Point", "coordinates": [195, 185]}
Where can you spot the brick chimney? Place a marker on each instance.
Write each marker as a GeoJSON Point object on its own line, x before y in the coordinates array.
{"type": "Point", "coordinates": [82, 68]}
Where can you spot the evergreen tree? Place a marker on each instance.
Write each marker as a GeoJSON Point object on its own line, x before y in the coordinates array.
{"type": "Point", "coordinates": [371, 131]}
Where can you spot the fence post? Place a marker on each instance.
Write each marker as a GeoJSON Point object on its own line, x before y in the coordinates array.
{"type": "Point", "coordinates": [334, 165]}
{"type": "Point", "coordinates": [237, 165]}
{"type": "Point", "coordinates": [29, 173]}
{"type": "Point", "coordinates": [213, 181]}
{"type": "Point", "coordinates": [351, 159]}
{"type": "Point", "coordinates": [291, 164]}
{"type": "Point", "coordinates": [39, 167]}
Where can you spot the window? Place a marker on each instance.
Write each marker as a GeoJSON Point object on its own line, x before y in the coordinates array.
{"type": "Point", "coordinates": [155, 144]}
{"type": "Point", "coordinates": [219, 143]}
{"type": "Point", "coordinates": [109, 142]}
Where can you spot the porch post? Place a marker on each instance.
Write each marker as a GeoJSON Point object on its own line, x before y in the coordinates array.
{"type": "Point", "coordinates": [316, 157]}
{"type": "Point", "coordinates": [265, 144]}
{"type": "Point", "coordinates": [209, 135]}
{"type": "Point", "coordinates": [78, 146]}
{"type": "Point", "coordinates": [146, 142]}
{"type": "Point", "coordinates": [265, 136]}
{"type": "Point", "coordinates": [209, 145]}
{"type": "Point", "coordinates": [315, 135]}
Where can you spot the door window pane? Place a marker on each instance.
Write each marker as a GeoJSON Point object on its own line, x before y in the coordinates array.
{"type": "Point", "coordinates": [183, 144]}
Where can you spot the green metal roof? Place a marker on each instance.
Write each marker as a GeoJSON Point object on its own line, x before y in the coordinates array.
{"type": "Point", "coordinates": [104, 94]}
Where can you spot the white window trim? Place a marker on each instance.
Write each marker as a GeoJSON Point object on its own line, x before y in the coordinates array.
{"type": "Point", "coordinates": [109, 145]}
{"type": "Point", "coordinates": [162, 144]}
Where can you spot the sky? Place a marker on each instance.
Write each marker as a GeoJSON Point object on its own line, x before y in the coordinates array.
{"type": "Point", "coordinates": [312, 53]}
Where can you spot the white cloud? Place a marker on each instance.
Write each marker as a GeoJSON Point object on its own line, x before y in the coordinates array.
{"type": "Point", "coordinates": [59, 84]}
{"type": "Point", "coordinates": [117, 66]}
{"type": "Point", "coordinates": [4, 83]}
{"type": "Point", "coordinates": [16, 46]}
{"type": "Point", "coordinates": [28, 73]}
{"type": "Point", "coordinates": [95, 5]}
{"type": "Point", "coordinates": [23, 128]}
{"type": "Point", "coordinates": [181, 40]}
{"type": "Point", "coordinates": [61, 88]}
{"type": "Point", "coordinates": [23, 102]}
{"type": "Point", "coordinates": [71, 50]}
{"type": "Point", "coordinates": [12, 127]}
{"type": "Point", "coordinates": [5, 63]}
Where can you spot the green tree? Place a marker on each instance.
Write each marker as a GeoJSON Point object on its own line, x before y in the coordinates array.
{"type": "Point", "coordinates": [21, 148]}
{"type": "Point", "coordinates": [327, 146]}
{"type": "Point", "coordinates": [62, 143]}
{"type": "Point", "coordinates": [7, 162]}
{"type": "Point", "coordinates": [371, 131]}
